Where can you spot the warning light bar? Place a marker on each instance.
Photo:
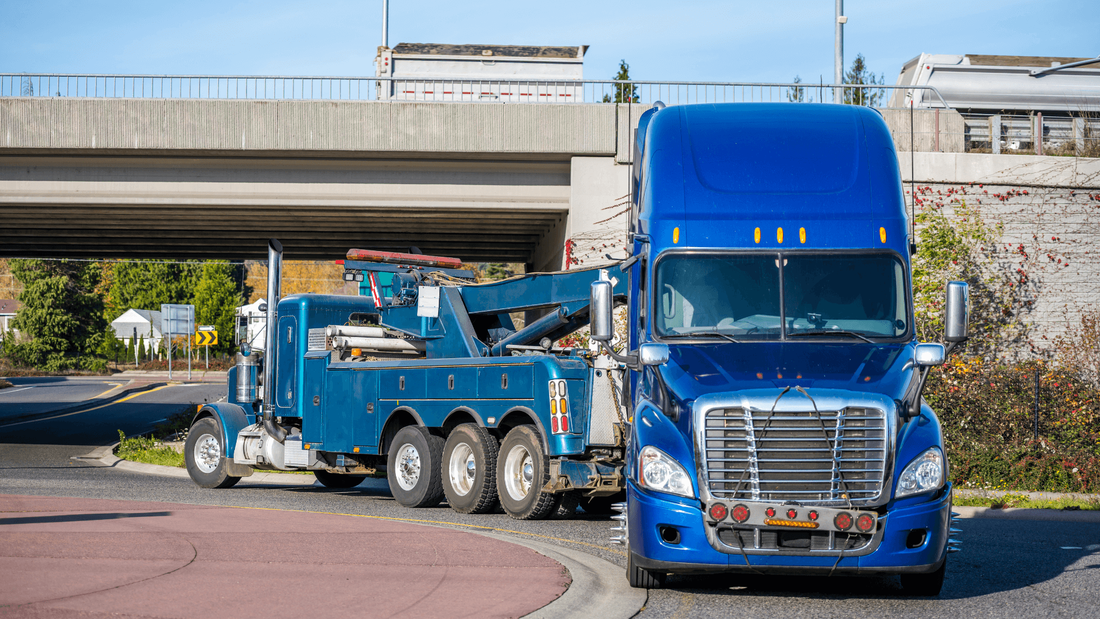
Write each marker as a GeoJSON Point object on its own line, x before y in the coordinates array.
{"type": "Point", "coordinates": [389, 257]}
{"type": "Point", "coordinates": [794, 524]}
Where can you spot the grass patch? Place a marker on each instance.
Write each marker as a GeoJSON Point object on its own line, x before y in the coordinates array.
{"type": "Point", "coordinates": [148, 450]}
{"type": "Point", "coordinates": [1021, 501]}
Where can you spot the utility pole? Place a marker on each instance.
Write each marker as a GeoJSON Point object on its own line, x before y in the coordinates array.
{"type": "Point", "coordinates": [838, 52]}
{"type": "Point", "coordinates": [385, 23]}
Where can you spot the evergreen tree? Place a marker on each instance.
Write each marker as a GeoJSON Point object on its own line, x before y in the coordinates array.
{"type": "Point", "coordinates": [148, 285]}
{"type": "Point", "coordinates": [623, 92]}
{"type": "Point", "coordinates": [216, 299]}
{"type": "Point", "coordinates": [141, 348]}
{"type": "Point", "coordinates": [859, 74]}
{"type": "Point", "coordinates": [797, 94]}
{"type": "Point", "coordinates": [61, 314]}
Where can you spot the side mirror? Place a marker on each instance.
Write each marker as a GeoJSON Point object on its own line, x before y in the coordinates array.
{"type": "Point", "coordinates": [600, 312]}
{"type": "Point", "coordinates": [652, 354]}
{"type": "Point", "coordinates": [928, 355]}
{"type": "Point", "coordinates": [958, 312]}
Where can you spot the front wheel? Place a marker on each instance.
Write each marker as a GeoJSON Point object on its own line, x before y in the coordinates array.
{"type": "Point", "coordinates": [204, 453]}
{"type": "Point", "coordinates": [470, 470]}
{"type": "Point", "coordinates": [640, 578]}
{"type": "Point", "coordinates": [924, 585]}
{"type": "Point", "coordinates": [522, 471]}
{"type": "Point", "coordinates": [413, 466]}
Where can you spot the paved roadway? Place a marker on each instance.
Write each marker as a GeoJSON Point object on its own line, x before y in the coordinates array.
{"type": "Point", "coordinates": [1007, 568]}
{"type": "Point", "coordinates": [34, 395]}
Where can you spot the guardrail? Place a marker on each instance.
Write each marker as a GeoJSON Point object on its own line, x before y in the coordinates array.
{"type": "Point", "coordinates": [328, 88]}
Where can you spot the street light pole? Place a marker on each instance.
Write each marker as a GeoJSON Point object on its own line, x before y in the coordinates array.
{"type": "Point", "coordinates": [838, 52]}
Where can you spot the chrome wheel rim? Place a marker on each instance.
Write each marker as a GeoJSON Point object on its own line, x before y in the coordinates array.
{"type": "Point", "coordinates": [408, 466]}
{"type": "Point", "coordinates": [462, 469]}
{"type": "Point", "coordinates": [208, 453]}
{"type": "Point", "coordinates": [519, 473]}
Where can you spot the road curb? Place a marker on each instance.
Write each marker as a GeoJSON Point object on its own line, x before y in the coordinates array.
{"type": "Point", "coordinates": [1035, 496]}
{"type": "Point", "coordinates": [1012, 513]}
{"type": "Point", "coordinates": [105, 455]}
{"type": "Point", "coordinates": [599, 587]}
{"type": "Point", "coordinates": [76, 408]}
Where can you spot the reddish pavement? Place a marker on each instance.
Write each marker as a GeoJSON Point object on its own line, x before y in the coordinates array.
{"type": "Point", "coordinates": [62, 557]}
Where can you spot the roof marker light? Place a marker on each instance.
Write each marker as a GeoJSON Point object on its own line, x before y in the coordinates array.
{"type": "Point", "coordinates": [802, 235]}
{"type": "Point", "coordinates": [779, 234]}
{"type": "Point", "coordinates": [756, 235]}
{"type": "Point", "coordinates": [675, 235]}
{"type": "Point", "coordinates": [882, 234]}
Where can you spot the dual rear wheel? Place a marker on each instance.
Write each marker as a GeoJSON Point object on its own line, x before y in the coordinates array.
{"type": "Point", "coordinates": [472, 471]}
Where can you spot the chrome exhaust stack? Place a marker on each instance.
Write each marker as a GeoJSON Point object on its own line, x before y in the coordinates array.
{"type": "Point", "coordinates": [274, 278]}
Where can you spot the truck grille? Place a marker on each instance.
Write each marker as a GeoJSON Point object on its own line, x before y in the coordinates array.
{"type": "Point", "coordinates": [790, 457]}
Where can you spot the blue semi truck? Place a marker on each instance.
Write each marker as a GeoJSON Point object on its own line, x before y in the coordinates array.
{"type": "Point", "coordinates": [764, 415]}
{"type": "Point", "coordinates": [786, 432]}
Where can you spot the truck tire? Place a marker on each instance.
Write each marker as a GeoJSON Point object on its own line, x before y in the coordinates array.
{"type": "Point", "coordinates": [413, 466]}
{"type": "Point", "coordinates": [204, 453]}
{"type": "Point", "coordinates": [470, 470]}
{"type": "Point", "coordinates": [924, 585]}
{"type": "Point", "coordinates": [338, 481]}
{"type": "Point", "coordinates": [640, 578]}
{"type": "Point", "coordinates": [523, 469]}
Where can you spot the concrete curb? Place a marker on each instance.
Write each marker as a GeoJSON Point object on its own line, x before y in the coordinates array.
{"type": "Point", "coordinates": [1012, 513]}
{"type": "Point", "coordinates": [106, 456]}
{"type": "Point", "coordinates": [599, 587]}
{"type": "Point", "coordinates": [129, 389]}
{"type": "Point", "coordinates": [1038, 496]}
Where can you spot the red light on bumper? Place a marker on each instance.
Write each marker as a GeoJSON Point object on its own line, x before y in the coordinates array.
{"type": "Point", "coordinates": [843, 521]}
{"type": "Point", "coordinates": [865, 523]}
{"type": "Point", "coordinates": [740, 513]}
{"type": "Point", "coordinates": [813, 515]}
{"type": "Point", "coordinates": [718, 511]}
{"type": "Point", "coordinates": [770, 512]}
{"type": "Point", "coordinates": [791, 514]}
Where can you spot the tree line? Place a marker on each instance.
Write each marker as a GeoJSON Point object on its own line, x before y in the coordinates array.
{"type": "Point", "coordinates": [67, 306]}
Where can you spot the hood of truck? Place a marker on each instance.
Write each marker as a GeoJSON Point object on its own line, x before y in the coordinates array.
{"type": "Point", "coordinates": [699, 369]}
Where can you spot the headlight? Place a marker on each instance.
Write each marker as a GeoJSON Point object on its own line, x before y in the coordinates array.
{"type": "Point", "coordinates": [924, 473]}
{"type": "Point", "coordinates": [659, 472]}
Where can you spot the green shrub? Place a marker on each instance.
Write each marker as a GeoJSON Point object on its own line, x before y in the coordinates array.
{"type": "Point", "coordinates": [147, 449]}
{"type": "Point", "coordinates": [987, 412]}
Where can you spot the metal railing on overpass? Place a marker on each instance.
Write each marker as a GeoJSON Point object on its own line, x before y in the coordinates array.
{"type": "Point", "coordinates": [327, 88]}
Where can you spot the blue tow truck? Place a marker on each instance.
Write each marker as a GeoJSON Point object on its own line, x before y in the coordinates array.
{"type": "Point", "coordinates": [425, 376]}
{"type": "Point", "coordinates": [784, 430]}
{"type": "Point", "coordinates": [765, 413]}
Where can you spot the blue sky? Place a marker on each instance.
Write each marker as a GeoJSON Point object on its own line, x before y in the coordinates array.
{"type": "Point", "coordinates": [662, 40]}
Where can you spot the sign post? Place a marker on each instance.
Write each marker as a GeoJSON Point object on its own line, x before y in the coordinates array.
{"type": "Point", "coordinates": [177, 320]}
{"type": "Point", "coordinates": [206, 336]}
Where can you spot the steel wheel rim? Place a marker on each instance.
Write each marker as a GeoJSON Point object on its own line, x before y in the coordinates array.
{"type": "Point", "coordinates": [408, 466]}
{"type": "Point", "coordinates": [462, 469]}
{"type": "Point", "coordinates": [519, 473]}
{"type": "Point", "coordinates": [208, 453]}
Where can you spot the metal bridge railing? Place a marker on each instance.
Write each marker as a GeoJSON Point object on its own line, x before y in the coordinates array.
{"type": "Point", "coordinates": [329, 88]}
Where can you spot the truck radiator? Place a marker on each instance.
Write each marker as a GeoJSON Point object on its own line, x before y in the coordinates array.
{"type": "Point", "coordinates": [789, 458]}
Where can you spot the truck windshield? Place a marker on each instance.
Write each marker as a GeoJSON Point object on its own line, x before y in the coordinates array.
{"type": "Point", "coordinates": [738, 295]}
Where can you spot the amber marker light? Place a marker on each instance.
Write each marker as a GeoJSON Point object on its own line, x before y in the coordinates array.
{"type": "Point", "coordinates": [675, 236]}
{"type": "Point", "coordinates": [779, 234]}
{"type": "Point", "coordinates": [791, 524]}
{"type": "Point", "coordinates": [756, 235]}
{"type": "Point", "coordinates": [882, 234]}
{"type": "Point", "coordinates": [801, 235]}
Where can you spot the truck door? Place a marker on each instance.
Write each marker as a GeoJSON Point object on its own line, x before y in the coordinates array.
{"type": "Point", "coordinates": [286, 361]}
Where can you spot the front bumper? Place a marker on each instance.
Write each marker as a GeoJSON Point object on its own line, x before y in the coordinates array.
{"type": "Point", "coordinates": [654, 520]}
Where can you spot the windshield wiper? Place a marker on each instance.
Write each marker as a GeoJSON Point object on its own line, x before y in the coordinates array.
{"type": "Point", "coordinates": [702, 334]}
{"type": "Point", "coordinates": [827, 332]}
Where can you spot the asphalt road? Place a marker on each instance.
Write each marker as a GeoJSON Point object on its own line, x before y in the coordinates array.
{"type": "Point", "coordinates": [1007, 567]}
{"type": "Point", "coordinates": [32, 395]}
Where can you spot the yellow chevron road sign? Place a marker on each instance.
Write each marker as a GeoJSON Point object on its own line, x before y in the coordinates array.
{"type": "Point", "coordinates": [206, 338]}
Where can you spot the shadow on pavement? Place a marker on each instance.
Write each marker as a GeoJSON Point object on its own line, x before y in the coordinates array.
{"type": "Point", "coordinates": [81, 517]}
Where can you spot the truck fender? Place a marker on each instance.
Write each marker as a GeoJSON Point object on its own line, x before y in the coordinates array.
{"type": "Point", "coordinates": [529, 415]}
{"type": "Point", "coordinates": [462, 411]}
{"type": "Point", "coordinates": [390, 426]}
{"type": "Point", "coordinates": [232, 420]}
